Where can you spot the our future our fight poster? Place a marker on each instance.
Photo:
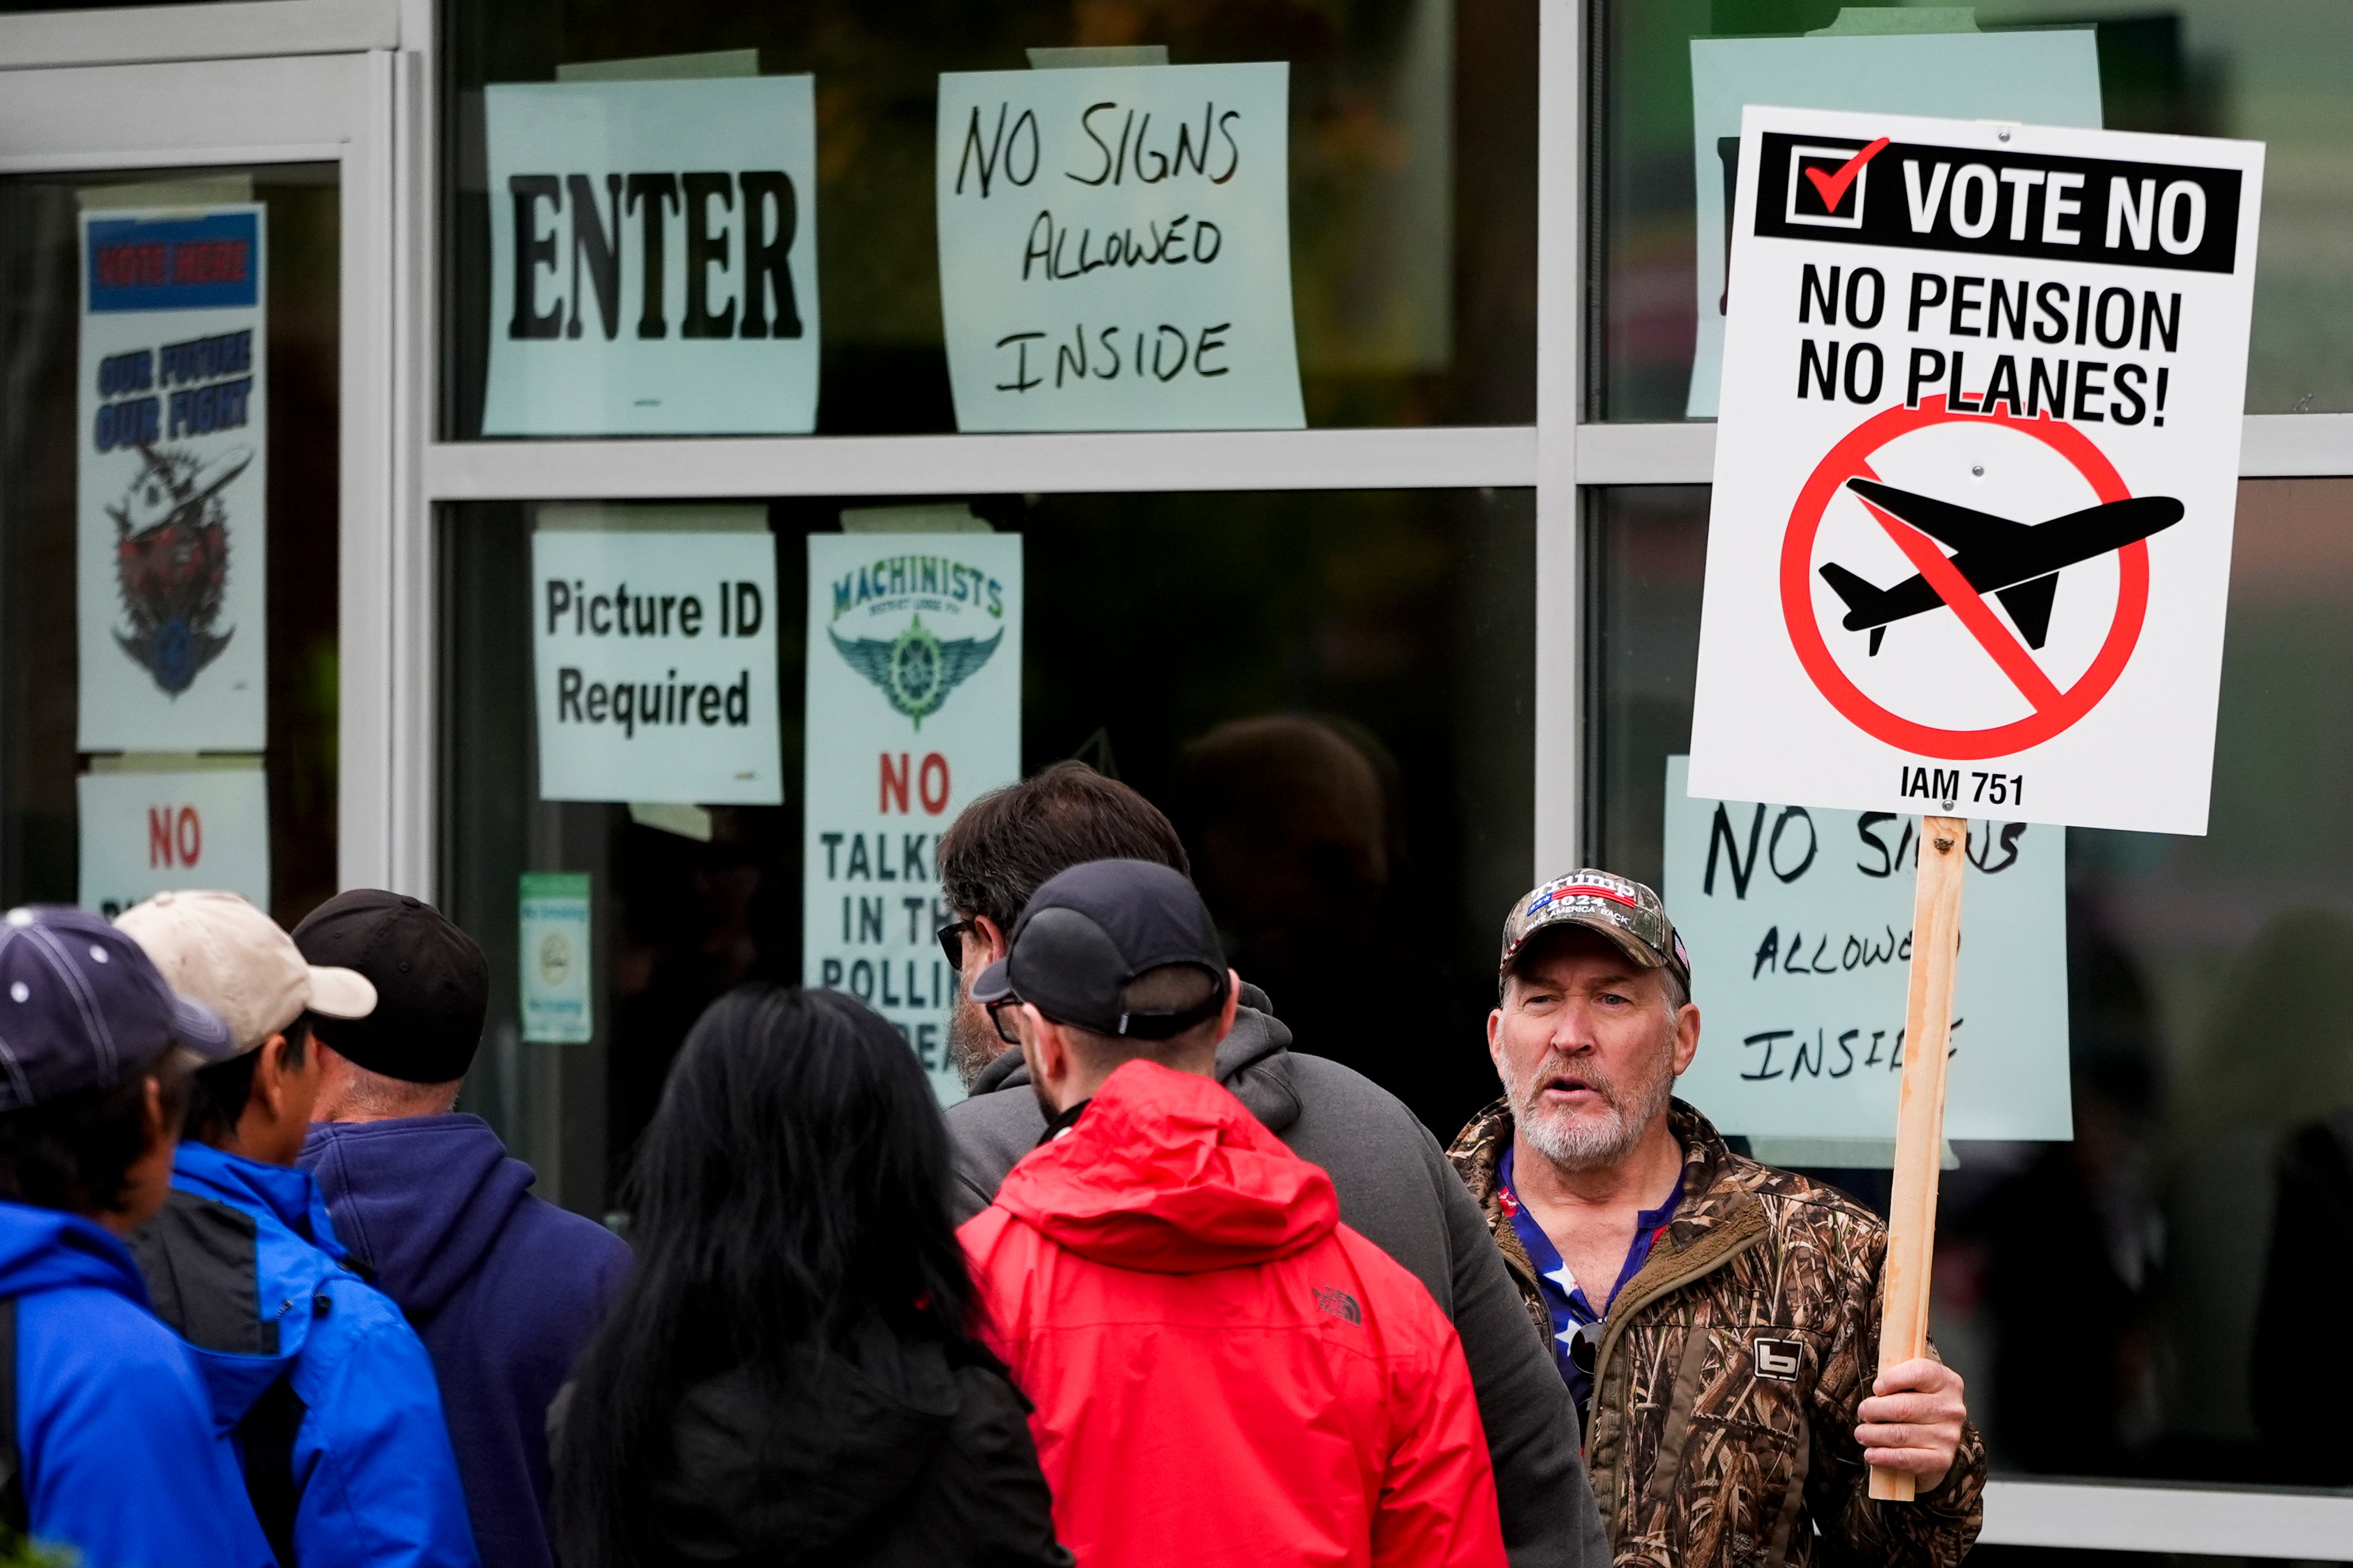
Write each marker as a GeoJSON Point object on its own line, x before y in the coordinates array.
{"type": "Point", "coordinates": [170, 472]}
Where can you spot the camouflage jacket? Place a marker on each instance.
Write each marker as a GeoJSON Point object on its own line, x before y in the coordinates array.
{"type": "Point", "coordinates": [1721, 1432]}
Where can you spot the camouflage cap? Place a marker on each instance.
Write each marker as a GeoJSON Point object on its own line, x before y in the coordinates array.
{"type": "Point", "coordinates": [1618, 908]}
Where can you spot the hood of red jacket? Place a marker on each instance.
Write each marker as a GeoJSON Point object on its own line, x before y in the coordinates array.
{"type": "Point", "coordinates": [1168, 1173]}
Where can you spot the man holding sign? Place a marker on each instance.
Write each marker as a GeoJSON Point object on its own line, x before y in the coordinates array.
{"type": "Point", "coordinates": [1718, 1320]}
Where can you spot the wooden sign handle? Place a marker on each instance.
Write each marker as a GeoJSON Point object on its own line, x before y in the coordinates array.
{"type": "Point", "coordinates": [1920, 1114]}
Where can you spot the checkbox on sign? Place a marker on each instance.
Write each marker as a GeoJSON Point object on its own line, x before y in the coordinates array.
{"type": "Point", "coordinates": [1827, 185]}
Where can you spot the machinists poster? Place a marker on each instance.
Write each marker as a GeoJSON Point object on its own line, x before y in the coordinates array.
{"type": "Point", "coordinates": [171, 469]}
{"type": "Point", "coordinates": [915, 710]}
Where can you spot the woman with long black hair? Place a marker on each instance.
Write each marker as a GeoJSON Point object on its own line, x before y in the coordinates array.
{"type": "Point", "coordinates": [790, 1374]}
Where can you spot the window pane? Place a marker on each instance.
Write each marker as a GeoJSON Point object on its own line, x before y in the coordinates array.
{"type": "Point", "coordinates": [1329, 693]}
{"type": "Point", "coordinates": [2260, 70]}
{"type": "Point", "coordinates": [170, 830]}
{"type": "Point", "coordinates": [2141, 1302]}
{"type": "Point", "coordinates": [1412, 181]}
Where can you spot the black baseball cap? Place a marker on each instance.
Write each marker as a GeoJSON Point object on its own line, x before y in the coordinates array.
{"type": "Point", "coordinates": [1089, 931]}
{"type": "Point", "coordinates": [432, 984]}
{"type": "Point", "coordinates": [82, 1006]}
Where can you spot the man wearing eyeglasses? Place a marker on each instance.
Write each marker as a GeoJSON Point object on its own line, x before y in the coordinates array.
{"type": "Point", "coordinates": [1718, 1319]}
{"type": "Point", "coordinates": [1394, 1185]}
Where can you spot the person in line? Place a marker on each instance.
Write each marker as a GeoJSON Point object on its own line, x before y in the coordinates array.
{"type": "Point", "coordinates": [110, 1448]}
{"type": "Point", "coordinates": [336, 1416]}
{"type": "Point", "coordinates": [505, 1289]}
{"type": "Point", "coordinates": [1718, 1319]}
{"type": "Point", "coordinates": [1219, 1363]}
{"type": "Point", "coordinates": [791, 1373]}
{"type": "Point", "coordinates": [1394, 1185]}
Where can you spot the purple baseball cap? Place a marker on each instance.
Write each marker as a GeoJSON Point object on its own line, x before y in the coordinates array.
{"type": "Point", "coordinates": [83, 1007]}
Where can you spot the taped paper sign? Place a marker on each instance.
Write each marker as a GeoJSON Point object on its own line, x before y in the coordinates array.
{"type": "Point", "coordinates": [915, 710]}
{"type": "Point", "coordinates": [653, 258]}
{"type": "Point", "coordinates": [142, 833]}
{"type": "Point", "coordinates": [1969, 544]}
{"type": "Point", "coordinates": [1799, 926]}
{"type": "Point", "coordinates": [170, 482]}
{"type": "Point", "coordinates": [2045, 76]}
{"type": "Point", "coordinates": [656, 666]}
{"type": "Point", "coordinates": [558, 998]}
{"type": "Point", "coordinates": [1115, 249]}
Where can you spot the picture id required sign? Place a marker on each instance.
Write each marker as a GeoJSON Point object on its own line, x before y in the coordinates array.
{"type": "Point", "coordinates": [1115, 249]}
{"type": "Point", "coordinates": [653, 258]}
{"type": "Point", "coordinates": [1969, 545]}
{"type": "Point", "coordinates": [1799, 925]}
{"type": "Point", "coordinates": [171, 557]}
{"type": "Point", "coordinates": [914, 710]}
{"type": "Point", "coordinates": [655, 658]}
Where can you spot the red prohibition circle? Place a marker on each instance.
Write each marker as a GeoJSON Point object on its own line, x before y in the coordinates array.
{"type": "Point", "coordinates": [1850, 458]}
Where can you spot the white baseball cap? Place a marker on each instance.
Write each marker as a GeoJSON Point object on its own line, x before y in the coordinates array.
{"type": "Point", "coordinates": [221, 951]}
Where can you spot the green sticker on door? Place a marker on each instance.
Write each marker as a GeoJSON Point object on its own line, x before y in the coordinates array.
{"type": "Point", "coordinates": [557, 1009]}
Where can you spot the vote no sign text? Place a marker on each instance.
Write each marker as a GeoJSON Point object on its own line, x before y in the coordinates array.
{"type": "Point", "coordinates": [1977, 463]}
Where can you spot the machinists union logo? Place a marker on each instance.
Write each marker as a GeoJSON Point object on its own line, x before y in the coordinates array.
{"type": "Point", "coordinates": [917, 669]}
{"type": "Point", "coordinates": [171, 562]}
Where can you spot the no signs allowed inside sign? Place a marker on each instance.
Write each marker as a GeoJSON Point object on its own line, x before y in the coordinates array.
{"type": "Point", "coordinates": [1969, 546]}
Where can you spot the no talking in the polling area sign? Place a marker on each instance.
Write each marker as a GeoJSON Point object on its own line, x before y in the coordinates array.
{"type": "Point", "coordinates": [1976, 467]}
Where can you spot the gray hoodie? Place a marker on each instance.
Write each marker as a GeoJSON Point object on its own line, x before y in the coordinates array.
{"type": "Point", "coordinates": [1396, 1189]}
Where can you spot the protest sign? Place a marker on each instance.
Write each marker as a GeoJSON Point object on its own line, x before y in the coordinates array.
{"type": "Point", "coordinates": [1115, 249]}
{"type": "Point", "coordinates": [143, 832]}
{"type": "Point", "coordinates": [655, 656]}
{"type": "Point", "coordinates": [171, 554]}
{"type": "Point", "coordinates": [653, 258]}
{"type": "Point", "coordinates": [915, 709]}
{"type": "Point", "coordinates": [2024, 345]}
{"type": "Point", "coordinates": [558, 999]}
{"type": "Point", "coordinates": [1799, 926]}
{"type": "Point", "coordinates": [2044, 75]}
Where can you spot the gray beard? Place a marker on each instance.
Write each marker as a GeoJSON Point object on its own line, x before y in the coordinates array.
{"type": "Point", "coordinates": [972, 1041]}
{"type": "Point", "coordinates": [1590, 1143]}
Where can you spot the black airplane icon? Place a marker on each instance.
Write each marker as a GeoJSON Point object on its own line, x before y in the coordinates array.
{"type": "Point", "coordinates": [2017, 563]}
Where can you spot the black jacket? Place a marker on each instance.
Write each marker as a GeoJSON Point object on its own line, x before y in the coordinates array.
{"type": "Point", "coordinates": [1398, 1191]}
{"type": "Point", "coordinates": [903, 1454]}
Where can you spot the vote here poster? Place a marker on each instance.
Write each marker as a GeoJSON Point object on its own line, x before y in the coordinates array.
{"type": "Point", "coordinates": [914, 710]}
{"type": "Point", "coordinates": [1975, 474]}
{"type": "Point", "coordinates": [171, 480]}
{"type": "Point", "coordinates": [653, 258]}
{"type": "Point", "coordinates": [655, 655]}
{"type": "Point", "coordinates": [1799, 925]}
{"type": "Point", "coordinates": [1115, 249]}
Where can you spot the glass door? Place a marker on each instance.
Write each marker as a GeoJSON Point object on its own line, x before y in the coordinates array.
{"type": "Point", "coordinates": [177, 465]}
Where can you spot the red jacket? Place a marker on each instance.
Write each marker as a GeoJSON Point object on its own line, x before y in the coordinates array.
{"type": "Point", "coordinates": [1224, 1373]}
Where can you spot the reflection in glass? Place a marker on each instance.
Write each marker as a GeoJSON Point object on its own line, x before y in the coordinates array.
{"type": "Point", "coordinates": [2269, 71]}
{"type": "Point", "coordinates": [1412, 181]}
{"type": "Point", "coordinates": [40, 308]}
{"type": "Point", "coordinates": [1330, 695]}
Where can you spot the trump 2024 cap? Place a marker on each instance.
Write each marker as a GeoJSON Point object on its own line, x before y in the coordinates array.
{"type": "Point", "coordinates": [1089, 931]}
{"type": "Point", "coordinates": [1628, 914]}
{"type": "Point", "coordinates": [82, 1006]}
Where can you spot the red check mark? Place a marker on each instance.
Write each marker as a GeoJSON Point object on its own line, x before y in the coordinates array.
{"type": "Point", "coordinates": [1833, 186]}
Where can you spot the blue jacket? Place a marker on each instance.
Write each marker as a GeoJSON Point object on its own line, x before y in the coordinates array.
{"type": "Point", "coordinates": [122, 1459]}
{"type": "Point", "coordinates": [505, 1289]}
{"type": "Point", "coordinates": [355, 1469]}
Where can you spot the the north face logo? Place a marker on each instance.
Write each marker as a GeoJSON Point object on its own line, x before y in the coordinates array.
{"type": "Point", "coordinates": [1339, 1303]}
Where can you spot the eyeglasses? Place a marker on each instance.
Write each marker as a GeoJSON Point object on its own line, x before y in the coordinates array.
{"type": "Point", "coordinates": [1005, 1030]}
{"type": "Point", "coordinates": [952, 940]}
